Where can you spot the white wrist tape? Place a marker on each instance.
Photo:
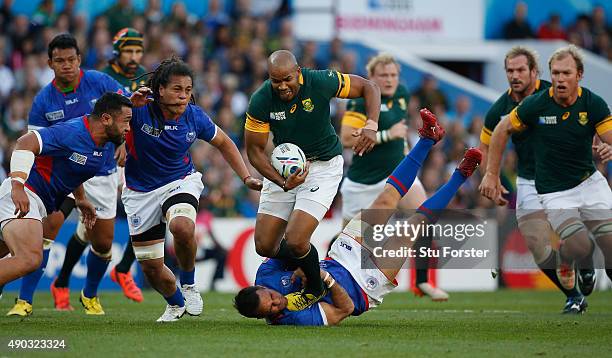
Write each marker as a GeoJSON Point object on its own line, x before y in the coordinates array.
{"type": "Point", "coordinates": [370, 124]}
{"type": "Point", "coordinates": [22, 161]}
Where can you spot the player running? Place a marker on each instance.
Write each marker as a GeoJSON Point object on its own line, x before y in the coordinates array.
{"type": "Point", "coordinates": [521, 65]}
{"type": "Point", "coordinates": [72, 93]}
{"type": "Point", "coordinates": [124, 67]}
{"type": "Point", "coordinates": [48, 164]}
{"type": "Point", "coordinates": [367, 175]}
{"type": "Point", "coordinates": [575, 196]}
{"type": "Point", "coordinates": [353, 289]}
{"type": "Point", "coordinates": [294, 105]}
{"type": "Point", "coordinates": [162, 186]}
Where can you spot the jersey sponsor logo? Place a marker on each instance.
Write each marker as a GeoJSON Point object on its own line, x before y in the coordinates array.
{"type": "Point", "coordinates": [293, 108]}
{"type": "Point", "coordinates": [170, 128]}
{"type": "Point", "coordinates": [55, 115]}
{"type": "Point", "coordinates": [97, 153]}
{"type": "Point", "coordinates": [548, 119]}
{"type": "Point", "coordinates": [71, 101]}
{"type": "Point", "coordinates": [346, 246]}
{"type": "Point", "coordinates": [308, 105]}
{"type": "Point", "coordinates": [565, 116]}
{"type": "Point", "coordinates": [278, 116]}
{"type": "Point", "coordinates": [371, 282]}
{"type": "Point", "coordinates": [154, 132]}
{"type": "Point", "coordinates": [190, 136]}
{"type": "Point", "coordinates": [78, 158]}
{"type": "Point", "coordinates": [312, 190]}
{"type": "Point", "coordinates": [582, 118]}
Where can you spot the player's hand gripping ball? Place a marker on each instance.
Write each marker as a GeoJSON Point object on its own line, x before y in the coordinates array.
{"type": "Point", "coordinates": [287, 158]}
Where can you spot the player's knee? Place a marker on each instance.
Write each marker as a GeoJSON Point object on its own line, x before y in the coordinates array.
{"type": "Point", "coordinates": [103, 252]}
{"type": "Point", "coordinates": [182, 228]}
{"type": "Point", "coordinates": [536, 233]}
{"type": "Point", "coordinates": [30, 260]}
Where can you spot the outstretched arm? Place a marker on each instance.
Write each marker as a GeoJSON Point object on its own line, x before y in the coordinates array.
{"type": "Point", "coordinates": [232, 156]}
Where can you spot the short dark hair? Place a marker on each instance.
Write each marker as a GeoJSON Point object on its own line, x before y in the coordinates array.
{"type": "Point", "coordinates": [111, 103]}
{"type": "Point", "coordinates": [63, 41]}
{"type": "Point", "coordinates": [247, 301]}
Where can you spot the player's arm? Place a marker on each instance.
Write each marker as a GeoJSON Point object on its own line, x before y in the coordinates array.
{"type": "Point", "coordinates": [256, 138]}
{"type": "Point", "coordinates": [232, 156]}
{"type": "Point", "coordinates": [491, 186]}
{"type": "Point", "coordinates": [361, 87]}
{"type": "Point", "coordinates": [342, 305]}
{"type": "Point", "coordinates": [22, 159]}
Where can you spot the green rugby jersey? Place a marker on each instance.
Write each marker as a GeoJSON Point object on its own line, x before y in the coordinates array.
{"type": "Point", "coordinates": [114, 70]}
{"type": "Point", "coordinates": [382, 160]}
{"type": "Point", "coordinates": [305, 120]}
{"type": "Point", "coordinates": [562, 136]}
{"type": "Point", "coordinates": [523, 147]}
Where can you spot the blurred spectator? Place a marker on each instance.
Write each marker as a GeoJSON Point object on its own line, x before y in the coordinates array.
{"type": "Point", "coordinates": [429, 95]}
{"type": "Point", "coordinates": [599, 24]}
{"type": "Point", "coordinates": [462, 112]}
{"type": "Point", "coordinates": [518, 27]}
{"type": "Point", "coordinates": [120, 15]}
{"type": "Point", "coordinates": [580, 34]}
{"type": "Point", "coordinates": [552, 29]}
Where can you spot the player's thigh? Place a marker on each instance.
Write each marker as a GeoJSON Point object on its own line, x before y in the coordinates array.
{"type": "Point", "coordinates": [269, 231]}
{"type": "Point", "coordinates": [414, 197]}
{"type": "Point", "coordinates": [561, 208]}
{"type": "Point", "coordinates": [300, 227]}
{"type": "Point", "coordinates": [357, 196]}
{"type": "Point", "coordinates": [320, 187]}
{"type": "Point", "coordinates": [180, 211]}
{"type": "Point", "coordinates": [52, 224]}
{"type": "Point", "coordinates": [101, 191]}
{"type": "Point", "coordinates": [149, 247]}
{"type": "Point", "coordinates": [102, 234]}
{"type": "Point", "coordinates": [143, 210]}
{"type": "Point", "coordinates": [24, 239]}
{"type": "Point", "coordinates": [602, 233]}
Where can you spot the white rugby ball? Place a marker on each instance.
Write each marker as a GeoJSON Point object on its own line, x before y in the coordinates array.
{"type": "Point", "coordinates": [287, 158]}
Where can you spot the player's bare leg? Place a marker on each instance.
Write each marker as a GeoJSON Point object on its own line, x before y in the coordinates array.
{"type": "Point", "coordinates": [23, 237]}
{"type": "Point", "coordinates": [602, 232]}
{"type": "Point", "coordinates": [269, 231]}
{"type": "Point", "coordinates": [574, 246]}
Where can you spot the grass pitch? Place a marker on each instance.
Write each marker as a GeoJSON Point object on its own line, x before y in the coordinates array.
{"type": "Point", "coordinates": [504, 323]}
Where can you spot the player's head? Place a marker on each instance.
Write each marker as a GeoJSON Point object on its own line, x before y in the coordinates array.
{"type": "Point", "coordinates": [566, 69]}
{"type": "Point", "coordinates": [384, 71]}
{"type": "Point", "coordinates": [284, 74]}
{"type": "Point", "coordinates": [259, 302]}
{"type": "Point", "coordinates": [64, 58]}
{"type": "Point", "coordinates": [114, 111]}
{"type": "Point", "coordinates": [172, 85]}
{"type": "Point", "coordinates": [521, 64]}
{"type": "Point", "coordinates": [128, 49]}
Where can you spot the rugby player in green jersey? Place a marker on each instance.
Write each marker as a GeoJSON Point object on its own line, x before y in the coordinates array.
{"type": "Point", "coordinates": [521, 65]}
{"type": "Point", "coordinates": [294, 105]}
{"type": "Point", "coordinates": [125, 66]}
{"type": "Point", "coordinates": [367, 175]}
{"type": "Point", "coordinates": [575, 196]}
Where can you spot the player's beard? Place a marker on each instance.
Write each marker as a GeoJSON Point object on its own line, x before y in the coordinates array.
{"type": "Point", "coordinates": [130, 68]}
{"type": "Point", "coordinates": [114, 135]}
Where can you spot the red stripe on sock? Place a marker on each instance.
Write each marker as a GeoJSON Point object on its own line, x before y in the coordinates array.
{"type": "Point", "coordinates": [396, 181]}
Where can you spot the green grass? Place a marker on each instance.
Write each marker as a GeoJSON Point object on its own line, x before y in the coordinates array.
{"type": "Point", "coordinates": [504, 323]}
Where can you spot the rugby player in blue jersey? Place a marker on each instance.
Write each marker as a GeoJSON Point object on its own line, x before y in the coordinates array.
{"type": "Point", "coordinates": [47, 165]}
{"type": "Point", "coordinates": [72, 93]}
{"type": "Point", "coordinates": [162, 185]}
{"type": "Point", "coordinates": [353, 289]}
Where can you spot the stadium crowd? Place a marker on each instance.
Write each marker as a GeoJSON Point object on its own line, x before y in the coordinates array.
{"type": "Point", "coordinates": [227, 48]}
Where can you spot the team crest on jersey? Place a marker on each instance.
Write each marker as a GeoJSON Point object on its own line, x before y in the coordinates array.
{"type": "Point", "coordinates": [286, 281]}
{"type": "Point", "coordinates": [55, 115]}
{"type": "Point", "coordinates": [190, 136]}
{"type": "Point", "coordinates": [402, 103]}
{"type": "Point", "coordinates": [154, 132]}
{"type": "Point", "coordinates": [135, 221]}
{"type": "Point", "coordinates": [308, 105]}
{"type": "Point", "coordinates": [78, 158]}
{"type": "Point", "coordinates": [582, 118]}
{"type": "Point", "coordinates": [293, 108]}
{"type": "Point", "coordinates": [371, 282]}
{"type": "Point", "coordinates": [278, 116]}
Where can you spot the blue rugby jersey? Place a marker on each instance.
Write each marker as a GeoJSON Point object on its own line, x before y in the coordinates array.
{"type": "Point", "coordinates": [273, 273]}
{"type": "Point", "coordinates": [68, 157]}
{"type": "Point", "coordinates": [52, 106]}
{"type": "Point", "coordinates": [158, 153]}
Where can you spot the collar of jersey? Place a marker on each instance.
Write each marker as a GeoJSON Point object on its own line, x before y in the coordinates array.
{"type": "Point", "coordinates": [54, 82]}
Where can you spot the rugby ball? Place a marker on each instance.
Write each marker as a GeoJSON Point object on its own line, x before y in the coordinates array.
{"type": "Point", "coordinates": [286, 158]}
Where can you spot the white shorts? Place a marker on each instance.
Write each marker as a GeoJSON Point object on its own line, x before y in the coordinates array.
{"type": "Point", "coordinates": [347, 252]}
{"type": "Point", "coordinates": [144, 209]}
{"type": "Point", "coordinates": [527, 199]}
{"type": "Point", "coordinates": [590, 200]}
{"type": "Point", "coordinates": [101, 191]}
{"type": "Point", "coordinates": [314, 196]}
{"type": "Point", "coordinates": [357, 196]}
{"type": "Point", "coordinates": [7, 207]}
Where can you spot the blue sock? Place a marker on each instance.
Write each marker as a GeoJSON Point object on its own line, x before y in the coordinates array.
{"type": "Point", "coordinates": [30, 281]}
{"type": "Point", "coordinates": [176, 299]}
{"type": "Point", "coordinates": [442, 197]}
{"type": "Point", "coordinates": [187, 277]}
{"type": "Point", "coordinates": [404, 174]}
{"type": "Point", "coordinates": [96, 267]}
